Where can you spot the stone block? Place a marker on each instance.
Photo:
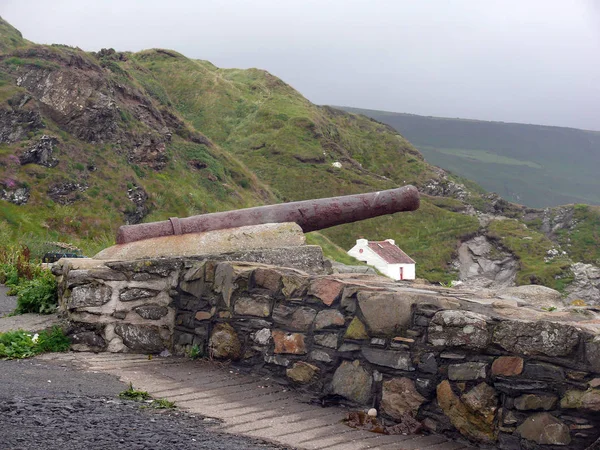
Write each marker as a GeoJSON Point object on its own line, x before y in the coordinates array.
{"type": "Point", "coordinates": [356, 330]}
{"type": "Point", "coordinates": [428, 363]}
{"type": "Point", "coordinates": [329, 318]}
{"type": "Point", "coordinates": [388, 313]}
{"type": "Point", "coordinates": [141, 338]}
{"type": "Point", "coordinates": [455, 328]}
{"type": "Point", "coordinates": [321, 356]}
{"type": "Point", "coordinates": [302, 372]}
{"type": "Point", "coordinates": [543, 371]}
{"type": "Point", "coordinates": [388, 358]}
{"type": "Point", "coordinates": [89, 295]}
{"type": "Point", "coordinates": [536, 338]}
{"type": "Point", "coordinates": [588, 400]}
{"type": "Point", "coordinates": [470, 423]}
{"type": "Point", "coordinates": [352, 381]}
{"type": "Point", "coordinates": [533, 402]}
{"type": "Point", "coordinates": [294, 285]}
{"type": "Point", "coordinates": [262, 336]}
{"type": "Point", "coordinates": [400, 397]}
{"type": "Point", "coordinates": [592, 353]}
{"type": "Point", "coordinates": [468, 371]}
{"type": "Point", "coordinates": [132, 294]}
{"type": "Point", "coordinates": [289, 343]}
{"type": "Point", "coordinates": [545, 429]}
{"type": "Point", "coordinates": [85, 276]}
{"type": "Point", "coordinates": [507, 366]}
{"type": "Point", "coordinates": [329, 340]}
{"type": "Point", "coordinates": [297, 318]}
{"type": "Point", "coordinates": [267, 278]}
{"type": "Point", "coordinates": [151, 312]}
{"type": "Point", "coordinates": [231, 277]}
{"type": "Point", "coordinates": [327, 289]}
{"type": "Point", "coordinates": [203, 315]}
{"type": "Point", "coordinates": [224, 342]}
{"type": "Point", "coordinates": [257, 306]}
{"type": "Point", "coordinates": [215, 242]}
{"type": "Point", "coordinates": [87, 341]}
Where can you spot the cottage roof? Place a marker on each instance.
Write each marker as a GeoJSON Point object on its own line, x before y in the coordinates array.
{"type": "Point", "coordinates": [390, 253]}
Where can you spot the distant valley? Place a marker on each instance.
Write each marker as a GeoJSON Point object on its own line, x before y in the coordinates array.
{"type": "Point", "coordinates": [534, 165]}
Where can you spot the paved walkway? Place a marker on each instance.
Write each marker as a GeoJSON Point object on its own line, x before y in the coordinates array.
{"type": "Point", "coordinates": [247, 405]}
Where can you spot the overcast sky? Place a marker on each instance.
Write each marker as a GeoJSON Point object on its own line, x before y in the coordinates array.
{"type": "Point", "coordinates": [531, 61]}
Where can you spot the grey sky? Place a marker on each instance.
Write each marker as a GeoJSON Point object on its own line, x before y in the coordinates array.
{"type": "Point", "coordinates": [532, 61]}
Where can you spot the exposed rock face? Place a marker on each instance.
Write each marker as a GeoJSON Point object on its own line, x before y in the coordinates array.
{"type": "Point", "coordinates": [139, 198]}
{"type": "Point", "coordinates": [483, 265]}
{"type": "Point", "coordinates": [67, 192]}
{"type": "Point", "coordinates": [444, 187]}
{"type": "Point", "coordinates": [586, 283]}
{"type": "Point", "coordinates": [18, 196]}
{"type": "Point", "coordinates": [41, 153]}
{"type": "Point", "coordinates": [16, 123]}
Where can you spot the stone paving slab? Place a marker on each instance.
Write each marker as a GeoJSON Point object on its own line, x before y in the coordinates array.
{"type": "Point", "coordinates": [248, 405]}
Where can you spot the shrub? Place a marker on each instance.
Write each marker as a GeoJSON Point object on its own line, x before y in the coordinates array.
{"type": "Point", "coordinates": [38, 295]}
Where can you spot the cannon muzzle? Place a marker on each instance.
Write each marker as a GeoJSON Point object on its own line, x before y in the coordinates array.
{"type": "Point", "coordinates": [311, 215]}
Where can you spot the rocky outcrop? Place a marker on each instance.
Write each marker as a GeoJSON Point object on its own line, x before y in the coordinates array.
{"type": "Point", "coordinates": [140, 209]}
{"type": "Point", "coordinates": [585, 285]}
{"type": "Point", "coordinates": [67, 192]}
{"type": "Point", "coordinates": [41, 153]}
{"type": "Point", "coordinates": [16, 123]}
{"type": "Point", "coordinates": [16, 195]}
{"type": "Point", "coordinates": [442, 186]}
{"type": "Point", "coordinates": [482, 264]}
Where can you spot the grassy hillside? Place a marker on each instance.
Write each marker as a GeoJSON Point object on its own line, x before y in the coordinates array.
{"type": "Point", "coordinates": [90, 141]}
{"type": "Point", "coordinates": [534, 165]}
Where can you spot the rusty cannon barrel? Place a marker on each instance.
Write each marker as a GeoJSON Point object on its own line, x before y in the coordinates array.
{"type": "Point", "coordinates": [311, 215]}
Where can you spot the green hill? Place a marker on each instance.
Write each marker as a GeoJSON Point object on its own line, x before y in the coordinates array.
{"type": "Point", "coordinates": [534, 165]}
{"type": "Point", "coordinates": [90, 141]}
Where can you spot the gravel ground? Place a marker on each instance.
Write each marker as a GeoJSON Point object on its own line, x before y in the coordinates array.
{"type": "Point", "coordinates": [7, 304]}
{"type": "Point", "coordinates": [49, 406]}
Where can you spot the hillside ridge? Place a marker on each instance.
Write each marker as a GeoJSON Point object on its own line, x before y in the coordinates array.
{"type": "Point", "coordinates": [91, 141]}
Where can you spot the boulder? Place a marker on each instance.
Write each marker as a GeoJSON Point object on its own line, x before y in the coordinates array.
{"type": "Point", "coordinates": [534, 295]}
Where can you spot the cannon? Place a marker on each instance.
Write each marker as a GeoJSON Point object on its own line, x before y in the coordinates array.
{"type": "Point", "coordinates": [311, 215]}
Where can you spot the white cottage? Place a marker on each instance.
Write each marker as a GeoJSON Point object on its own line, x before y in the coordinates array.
{"type": "Point", "coordinates": [386, 257]}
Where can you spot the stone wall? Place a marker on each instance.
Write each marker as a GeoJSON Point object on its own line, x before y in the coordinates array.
{"type": "Point", "coordinates": [493, 371]}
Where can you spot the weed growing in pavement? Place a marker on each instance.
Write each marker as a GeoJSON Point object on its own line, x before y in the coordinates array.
{"type": "Point", "coordinates": [142, 396]}
{"type": "Point", "coordinates": [196, 352]}
{"type": "Point", "coordinates": [22, 344]}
